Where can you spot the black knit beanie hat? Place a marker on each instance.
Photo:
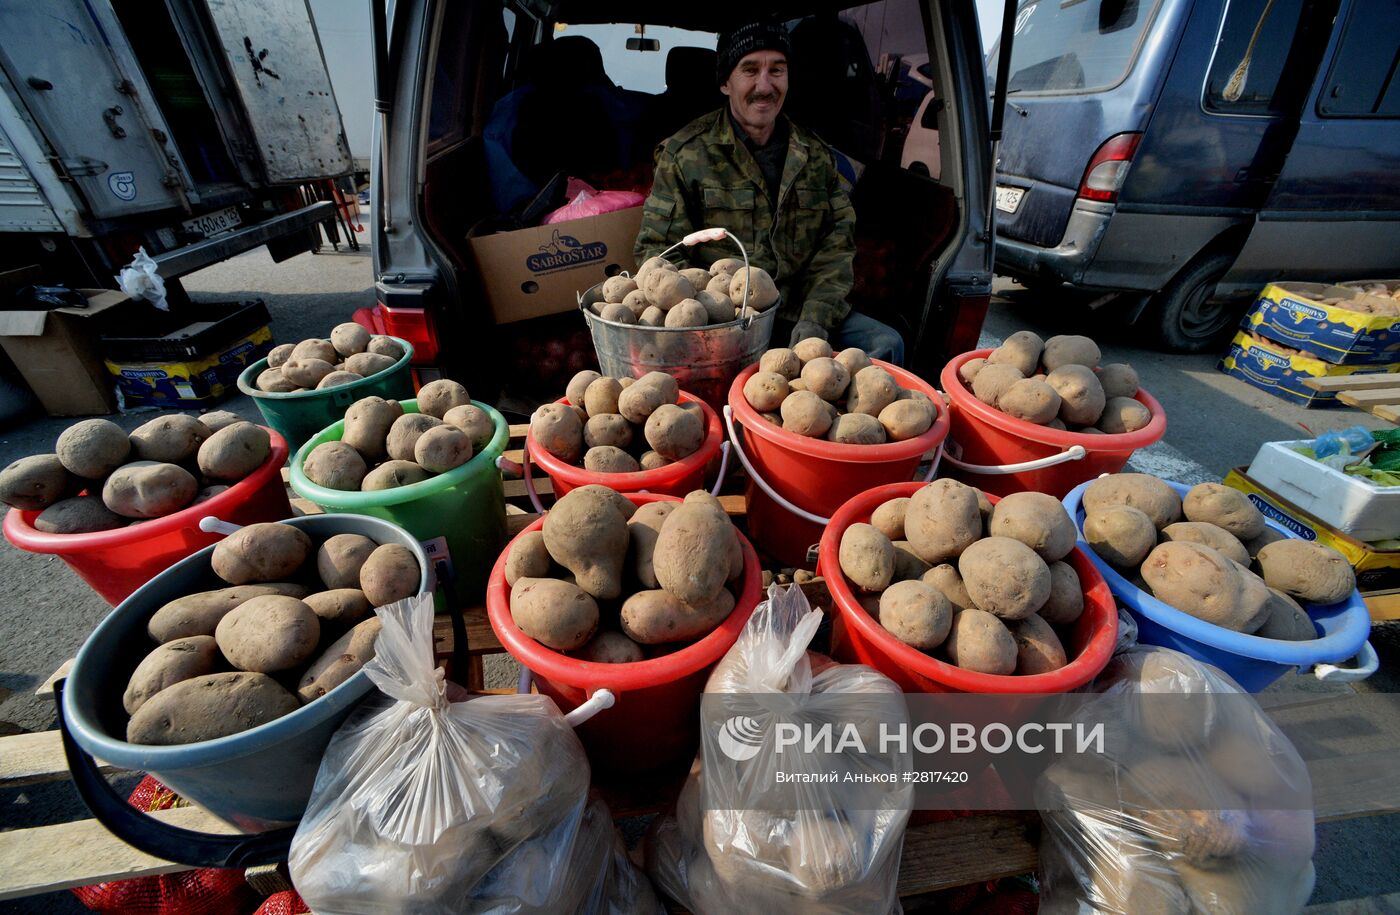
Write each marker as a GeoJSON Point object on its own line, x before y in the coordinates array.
{"type": "Point", "coordinates": [737, 44]}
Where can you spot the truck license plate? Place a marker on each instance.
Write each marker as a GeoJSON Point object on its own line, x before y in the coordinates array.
{"type": "Point", "coordinates": [1009, 198]}
{"type": "Point", "coordinates": [228, 218]}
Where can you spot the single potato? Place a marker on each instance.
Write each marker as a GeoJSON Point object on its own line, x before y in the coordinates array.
{"type": "Point", "coordinates": [269, 634]}
{"type": "Point", "coordinates": [208, 707]}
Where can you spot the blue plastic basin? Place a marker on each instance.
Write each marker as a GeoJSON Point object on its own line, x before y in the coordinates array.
{"type": "Point", "coordinates": [1253, 662]}
{"type": "Point", "coordinates": [257, 780]}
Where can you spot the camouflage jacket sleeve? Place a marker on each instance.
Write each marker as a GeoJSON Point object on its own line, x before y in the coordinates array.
{"type": "Point", "coordinates": [665, 216]}
{"type": "Point", "coordinates": [830, 275]}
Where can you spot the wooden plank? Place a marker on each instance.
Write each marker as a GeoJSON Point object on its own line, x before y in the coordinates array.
{"type": "Point", "coordinates": [1364, 906]}
{"type": "Point", "coordinates": [44, 859]}
{"type": "Point", "coordinates": [519, 430]}
{"type": "Point", "coordinates": [1390, 412]}
{"type": "Point", "coordinates": [45, 690]}
{"type": "Point", "coordinates": [1366, 382]}
{"type": "Point", "coordinates": [1384, 605]}
{"type": "Point", "coordinates": [27, 759]}
{"type": "Point", "coordinates": [1368, 399]}
{"type": "Point", "coordinates": [480, 637]}
{"type": "Point", "coordinates": [515, 489]}
{"type": "Point", "coordinates": [1359, 785]}
{"type": "Point", "coordinates": [965, 850]}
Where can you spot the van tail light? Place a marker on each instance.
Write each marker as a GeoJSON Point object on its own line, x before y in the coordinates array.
{"type": "Point", "coordinates": [1108, 169]}
{"type": "Point", "coordinates": [412, 324]}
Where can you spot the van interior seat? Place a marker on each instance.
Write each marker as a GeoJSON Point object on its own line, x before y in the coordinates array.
{"type": "Point", "coordinates": [565, 123]}
{"type": "Point", "coordinates": [691, 91]}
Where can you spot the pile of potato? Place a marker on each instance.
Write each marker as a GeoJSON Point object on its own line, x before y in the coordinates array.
{"type": "Point", "coordinates": [842, 397]}
{"type": "Point", "coordinates": [350, 354]}
{"type": "Point", "coordinates": [663, 295]}
{"type": "Point", "coordinates": [383, 447]}
{"type": "Point", "coordinates": [979, 586]}
{"type": "Point", "coordinates": [620, 425]}
{"type": "Point", "coordinates": [1206, 565]}
{"type": "Point", "coordinates": [1371, 299]}
{"type": "Point", "coordinates": [296, 622]}
{"type": "Point", "coordinates": [1058, 383]}
{"type": "Point", "coordinates": [663, 572]}
{"type": "Point", "coordinates": [101, 478]}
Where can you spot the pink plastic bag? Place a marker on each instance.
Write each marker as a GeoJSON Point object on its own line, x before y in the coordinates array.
{"type": "Point", "coordinates": [586, 200]}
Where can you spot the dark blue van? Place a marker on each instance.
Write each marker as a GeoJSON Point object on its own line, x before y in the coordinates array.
{"type": "Point", "coordinates": [1187, 151]}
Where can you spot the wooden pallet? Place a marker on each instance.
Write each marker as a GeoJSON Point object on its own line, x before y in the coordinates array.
{"type": "Point", "coordinates": [1377, 394]}
{"type": "Point", "coordinates": [938, 856]}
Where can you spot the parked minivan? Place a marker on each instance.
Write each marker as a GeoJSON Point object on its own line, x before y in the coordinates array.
{"type": "Point", "coordinates": [1189, 151]}
{"type": "Point", "coordinates": [923, 263]}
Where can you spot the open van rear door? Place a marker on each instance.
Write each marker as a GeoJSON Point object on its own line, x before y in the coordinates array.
{"type": "Point", "coordinates": [279, 73]}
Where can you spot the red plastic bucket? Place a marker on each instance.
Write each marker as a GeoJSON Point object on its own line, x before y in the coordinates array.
{"type": "Point", "coordinates": [1002, 454]}
{"type": "Point", "coordinates": [675, 479]}
{"type": "Point", "coordinates": [655, 720]}
{"type": "Point", "coordinates": [813, 476]}
{"type": "Point", "coordinates": [857, 638]}
{"type": "Point", "coordinates": [116, 563]}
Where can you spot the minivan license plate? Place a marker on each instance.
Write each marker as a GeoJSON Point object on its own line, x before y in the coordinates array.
{"type": "Point", "coordinates": [1009, 198]}
{"type": "Point", "coordinates": [228, 218]}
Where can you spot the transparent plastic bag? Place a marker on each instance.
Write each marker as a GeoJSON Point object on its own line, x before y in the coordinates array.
{"type": "Point", "coordinates": [1199, 803]}
{"type": "Point", "coordinates": [425, 804]}
{"type": "Point", "coordinates": [725, 850]}
{"type": "Point", "coordinates": [140, 280]}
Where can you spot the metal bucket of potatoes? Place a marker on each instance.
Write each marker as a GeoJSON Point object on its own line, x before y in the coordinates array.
{"type": "Point", "coordinates": [703, 360]}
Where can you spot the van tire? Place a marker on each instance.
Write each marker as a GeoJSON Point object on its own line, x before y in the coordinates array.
{"type": "Point", "coordinates": [1182, 318]}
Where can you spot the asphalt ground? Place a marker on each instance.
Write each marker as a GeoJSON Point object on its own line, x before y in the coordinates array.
{"type": "Point", "coordinates": [1215, 423]}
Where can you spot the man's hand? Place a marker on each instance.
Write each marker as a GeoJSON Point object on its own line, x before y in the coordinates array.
{"type": "Point", "coordinates": [804, 329]}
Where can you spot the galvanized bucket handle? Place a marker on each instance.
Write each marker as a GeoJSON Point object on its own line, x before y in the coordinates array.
{"type": "Point", "coordinates": [701, 237]}
{"type": "Point", "coordinates": [717, 233]}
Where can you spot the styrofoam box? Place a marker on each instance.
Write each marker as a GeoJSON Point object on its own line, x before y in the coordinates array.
{"type": "Point", "coordinates": [1353, 505]}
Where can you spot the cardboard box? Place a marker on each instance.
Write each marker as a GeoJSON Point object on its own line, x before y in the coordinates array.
{"type": "Point", "coordinates": [1376, 570]}
{"type": "Point", "coordinates": [59, 353]}
{"type": "Point", "coordinates": [193, 383]}
{"type": "Point", "coordinates": [529, 273]}
{"type": "Point", "coordinates": [1294, 315]}
{"type": "Point", "coordinates": [1272, 368]}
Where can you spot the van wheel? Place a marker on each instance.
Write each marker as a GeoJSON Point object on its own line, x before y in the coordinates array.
{"type": "Point", "coordinates": [1183, 318]}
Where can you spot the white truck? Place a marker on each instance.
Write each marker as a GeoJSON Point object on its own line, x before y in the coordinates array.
{"type": "Point", "coordinates": [182, 126]}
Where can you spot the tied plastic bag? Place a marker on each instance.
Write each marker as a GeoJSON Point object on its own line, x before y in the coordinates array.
{"type": "Point", "coordinates": [728, 849]}
{"type": "Point", "coordinates": [140, 280]}
{"type": "Point", "coordinates": [1199, 803]}
{"type": "Point", "coordinates": [427, 804]}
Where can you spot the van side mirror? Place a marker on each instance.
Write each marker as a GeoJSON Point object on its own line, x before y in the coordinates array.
{"type": "Point", "coordinates": [643, 44]}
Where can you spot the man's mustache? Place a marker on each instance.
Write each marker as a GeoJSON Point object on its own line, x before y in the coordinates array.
{"type": "Point", "coordinates": [754, 97]}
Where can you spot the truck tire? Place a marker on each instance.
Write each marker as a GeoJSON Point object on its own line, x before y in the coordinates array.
{"type": "Point", "coordinates": [1182, 318]}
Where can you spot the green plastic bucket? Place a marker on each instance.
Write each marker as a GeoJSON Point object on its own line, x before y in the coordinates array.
{"type": "Point", "coordinates": [458, 516]}
{"type": "Point", "coordinates": [302, 414]}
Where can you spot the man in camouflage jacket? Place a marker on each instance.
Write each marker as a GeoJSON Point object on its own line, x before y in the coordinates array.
{"type": "Point", "coordinates": [775, 186]}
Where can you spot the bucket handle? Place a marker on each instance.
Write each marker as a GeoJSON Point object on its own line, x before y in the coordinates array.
{"type": "Point", "coordinates": [1073, 453]}
{"type": "Point", "coordinates": [716, 233]}
{"type": "Point", "coordinates": [772, 493]}
{"type": "Point", "coordinates": [1367, 663]}
{"type": "Point", "coordinates": [144, 833]}
{"type": "Point", "coordinates": [211, 525]}
{"type": "Point", "coordinates": [523, 470]}
{"type": "Point", "coordinates": [602, 698]}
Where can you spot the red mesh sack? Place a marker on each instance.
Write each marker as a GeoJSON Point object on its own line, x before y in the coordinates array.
{"type": "Point", "coordinates": [287, 902]}
{"type": "Point", "coordinates": [207, 891]}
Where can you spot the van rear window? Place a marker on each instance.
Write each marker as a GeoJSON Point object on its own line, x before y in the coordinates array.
{"type": "Point", "coordinates": [640, 71]}
{"type": "Point", "coordinates": [1075, 45]}
{"type": "Point", "coordinates": [1365, 77]}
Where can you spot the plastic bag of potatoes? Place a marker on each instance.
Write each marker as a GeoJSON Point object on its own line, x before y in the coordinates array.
{"type": "Point", "coordinates": [1199, 804]}
{"type": "Point", "coordinates": [729, 848]}
{"type": "Point", "coordinates": [426, 802]}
